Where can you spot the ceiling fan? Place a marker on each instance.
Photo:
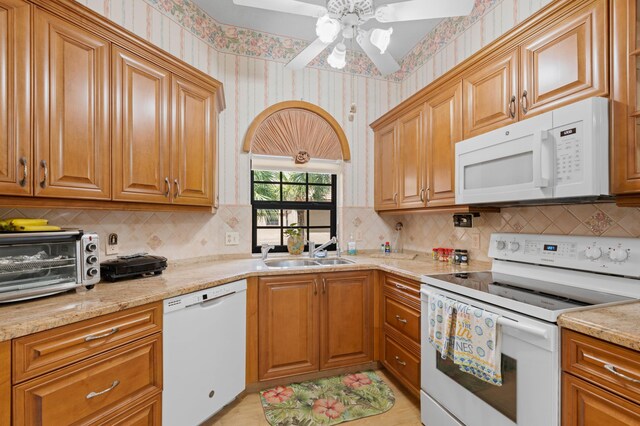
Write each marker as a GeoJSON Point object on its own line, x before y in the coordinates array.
{"type": "Point", "coordinates": [345, 17]}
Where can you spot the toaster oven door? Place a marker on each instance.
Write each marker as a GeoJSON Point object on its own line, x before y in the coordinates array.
{"type": "Point", "coordinates": [34, 265]}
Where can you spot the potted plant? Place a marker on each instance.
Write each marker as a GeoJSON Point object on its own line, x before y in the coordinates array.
{"type": "Point", "coordinates": [295, 240]}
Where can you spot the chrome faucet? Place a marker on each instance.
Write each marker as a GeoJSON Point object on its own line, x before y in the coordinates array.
{"type": "Point", "coordinates": [264, 249]}
{"type": "Point", "coordinates": [313, 250]}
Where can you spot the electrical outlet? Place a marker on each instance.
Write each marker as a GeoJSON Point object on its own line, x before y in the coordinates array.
{"type": "Point", "coordinates": [475, 241]}
{"type": "Point", "coordinates": [111, 247]}
{"type": "Point", "coordinates": [232, 239]}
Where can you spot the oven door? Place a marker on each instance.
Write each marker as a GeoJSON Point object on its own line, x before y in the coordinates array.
{"type": "Point", "coordinates": [529, 395]}
{"type": "Point", "coordinates": [509, 164]}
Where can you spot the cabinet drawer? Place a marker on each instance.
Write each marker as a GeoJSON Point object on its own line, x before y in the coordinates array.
{"type": "Point", "coordinates": [148, 412]}
{"type": "Point", "coordinates": [402, 287]}
{"type": "Point", "coordinates": [402, 318]}
{"type": "Point", "coordinates": [593, 359]}
{"type": "Point", "coordinates": [401, 362]}
{"type": "Point", "coordinates": [50, 350]}
{"type": "Point", "coordinates": [91, 389]}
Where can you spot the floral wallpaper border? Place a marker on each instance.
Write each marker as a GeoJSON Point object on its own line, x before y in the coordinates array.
{"type": "Point", "coordinates": [248, 42]}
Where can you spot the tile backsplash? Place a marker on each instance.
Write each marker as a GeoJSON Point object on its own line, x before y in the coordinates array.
{"type": "Point", "coordinates": [181, 235]}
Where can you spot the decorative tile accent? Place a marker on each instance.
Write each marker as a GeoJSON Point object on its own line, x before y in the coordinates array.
{"type": "Point", "coordinates": [599, 222]}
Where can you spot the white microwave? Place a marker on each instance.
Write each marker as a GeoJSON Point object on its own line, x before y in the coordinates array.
{"type": "Point", "coordinates": [561, 154]}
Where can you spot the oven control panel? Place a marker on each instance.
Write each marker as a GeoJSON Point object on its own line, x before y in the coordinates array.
{"type": "Point", "coordinates": [619, 256]}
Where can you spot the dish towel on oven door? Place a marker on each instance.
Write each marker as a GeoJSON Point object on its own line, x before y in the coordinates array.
{"type": "Point", "coordinates": [441, 324]}
{"type": "Point", "coordinates": [476, 345]}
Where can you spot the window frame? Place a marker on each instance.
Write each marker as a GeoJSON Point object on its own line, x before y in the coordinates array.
{"type": "Point", "coordinates": [331, 206]}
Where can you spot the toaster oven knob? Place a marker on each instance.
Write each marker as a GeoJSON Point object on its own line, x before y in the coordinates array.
{"type": "Point", "coordinates": [92, 272]}
{"type": "Point", "coordinates": [91, 247]}
{"type": "Point", "coordinates": [92, 259]}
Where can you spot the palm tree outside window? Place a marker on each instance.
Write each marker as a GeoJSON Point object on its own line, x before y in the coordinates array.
{"type": "Point", "coordinates": [285, 200]}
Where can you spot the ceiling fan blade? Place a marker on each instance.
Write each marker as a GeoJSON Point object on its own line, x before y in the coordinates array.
{"type": "Point", "coordinates": [307, 55]}
{"type": "Point", "coordinates": [287, 6]}
{"type": "Point", "coordinates": [384, 62]}
{"type": "Point", "coordinates": [413, 10]}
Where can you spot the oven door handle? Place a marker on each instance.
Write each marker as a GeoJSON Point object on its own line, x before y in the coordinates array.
{"type": "Point", "coordinates": [505, 322]}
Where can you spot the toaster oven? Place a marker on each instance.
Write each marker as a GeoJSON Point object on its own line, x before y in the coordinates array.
{"type": "Point", "coordinates": [39, 264]}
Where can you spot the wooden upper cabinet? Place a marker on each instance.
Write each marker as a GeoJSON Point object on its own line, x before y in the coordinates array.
{"type": "Point", "coordinates": [288, 309]}
{"type": "Point", "coordinates": [71, 85]}
{"type": "Point", "coordinates": [346, 318]}
{"type": "Point", "coordinates": [411, 148]}
{"type": "Point", "coordinates": [141, 145]}
{"type": "Point", "coordinates": [625, 91]}
{"type": "Point", "coordinates": [566, 62]}
{"type": "Point", "coordinates": [444, 129]}
{"type": "Point", "coordinates": [16, 163]}
{"type": "Point", "coordinates": [490, 94]}
{"type": "Point", "coordinates": [386, 172]}
{"type": "Point", "coordinates": [193, 143]}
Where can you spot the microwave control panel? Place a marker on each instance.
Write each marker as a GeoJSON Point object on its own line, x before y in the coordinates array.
{"type": "Point", "coordinates": [569, 161]}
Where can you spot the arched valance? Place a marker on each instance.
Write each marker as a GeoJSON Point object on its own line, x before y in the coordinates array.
{"type": "Point", "coordinates": [297, 129]}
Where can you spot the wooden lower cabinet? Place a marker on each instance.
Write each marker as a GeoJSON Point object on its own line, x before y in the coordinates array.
{"type": "Point", "coordinates": [599, 382]}
{"type": "Point", "coordinates": [313, 322]}
{"type": "Point", "coordinates": [148, 412]}
{"type": "Point", "coordinates": [400, 334]}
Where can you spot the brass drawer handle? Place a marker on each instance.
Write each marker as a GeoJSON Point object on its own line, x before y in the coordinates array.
{"type": "Point", "coordinates": [101, 336]}
{"type": "Point", "coordinates": [25, 171]}
{"type": "Point", "coordinates": [315, 286]}
{"type": "Point", "coordinates": [324, 285]}
{"type": "Point", "coordinates": [404, 287]}
{"type": "Point", "coordinates": [612, 369]}
{"type": "Point", "coordinates": [168, 186]}
{"type": "Point", "coordinates": [400, 319]}
{"type": "Point", "coordinates": [399, 361]}
{"type": "Point", "coordinates": [422, 195]}
{"type": "Point", "coordinates": [109, 389]}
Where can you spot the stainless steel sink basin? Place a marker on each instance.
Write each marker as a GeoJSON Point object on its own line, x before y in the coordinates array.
{"type": "Point", "coordinates": [334, 261]}
{"type": "Point", "coordinates": [297, 263]}
{"type": "Point", "coordinates": [289, 263]}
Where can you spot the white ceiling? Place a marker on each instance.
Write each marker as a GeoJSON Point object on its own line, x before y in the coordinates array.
{"type": "Point", "coordinates": [405, 34]}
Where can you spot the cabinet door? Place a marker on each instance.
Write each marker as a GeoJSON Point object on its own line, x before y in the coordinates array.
{"type": "Point", "coordinates": [444, 129]}
{"type": "Point", "coordinates": [584, 404]}
{"type": "Point", "coordinates": [288, 310]}
{"type": "Point", "coordinates": [15, 114]}
{"type": "Point", "coordinates": [141, 149]}
{"type": "Point", "coordinates": [490, 93]}
{"type": "Point", "coordinates": [565, 62]}
{"type": "Point", "coordinates": [193, 143]}
{"type": "Point", "coordinates": [346, 313]}
{"type": "Point", "coordinates": [411, 156]}
{"type": "Point", "coordinates": [625, 91]}
{"type": "Point", "coordinates": [386, 172]}
{"type": "Point", "coordinates": [72, 148]}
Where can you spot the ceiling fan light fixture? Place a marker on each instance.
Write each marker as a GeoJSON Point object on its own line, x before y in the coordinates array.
{"type": "Point", "coordinates": [338, 57]}
{"type": "Point", "coordinates": [381, 39]}
{"type": "Point", "coordinates": [327, 28]}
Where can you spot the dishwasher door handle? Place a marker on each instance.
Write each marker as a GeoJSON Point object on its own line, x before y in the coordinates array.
{"type": "Point", "coordinates": [215, 301]}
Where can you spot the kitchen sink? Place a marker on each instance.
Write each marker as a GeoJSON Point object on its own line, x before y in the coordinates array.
{"type": "Point", "coordinates": [334, 261]}
{"type": "Point", "coordinates": [297, 263]}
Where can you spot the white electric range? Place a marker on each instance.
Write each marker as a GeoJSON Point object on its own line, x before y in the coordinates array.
{"type": "Point", "coordinates": [533, 279]}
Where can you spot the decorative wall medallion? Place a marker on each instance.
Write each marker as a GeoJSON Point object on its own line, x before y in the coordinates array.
{"type": "Point", "coordinates": [302, 157]}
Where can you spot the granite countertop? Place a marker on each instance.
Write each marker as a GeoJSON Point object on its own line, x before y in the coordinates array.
{"type": "Point", "coordinates": [22, 318]}
{"type": "Point", "coordinates": [616, 324]}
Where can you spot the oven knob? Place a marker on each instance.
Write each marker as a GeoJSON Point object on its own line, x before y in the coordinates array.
{"type": "Point", "coordinates": [514, 246]}
{"type": "Point", "coordinates": [92, 272]}
{"type": "Point", "coordinates": [92, 259]}
{"type": "Point", "coordinates": [500, 245]}
{"type": "Point", "coordinates": [593, 253]}
{"type": "Point", "coordinates": [618, 254]}
{"type": "Point", "coordinates": [92, 247]}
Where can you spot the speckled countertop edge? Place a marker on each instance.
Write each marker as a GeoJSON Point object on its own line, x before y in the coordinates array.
{"type": "Point", "coordinates": [618, 324]}
{"type": "Point", "coordinates": [28, 317]}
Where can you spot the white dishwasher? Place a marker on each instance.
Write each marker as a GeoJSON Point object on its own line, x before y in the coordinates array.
{"type": "Point", "coordinates": [204, 352]}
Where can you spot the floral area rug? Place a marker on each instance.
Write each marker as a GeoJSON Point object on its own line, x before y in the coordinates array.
{"type": "Point", "coordinates": [327, 401]}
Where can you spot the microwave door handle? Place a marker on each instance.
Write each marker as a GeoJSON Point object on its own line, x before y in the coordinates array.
{"type": "Point", "coordinates": [541, 162]}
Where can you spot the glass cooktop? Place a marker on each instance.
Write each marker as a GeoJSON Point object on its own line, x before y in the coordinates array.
{"type": "Point", "coordinates": [542, 294]}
